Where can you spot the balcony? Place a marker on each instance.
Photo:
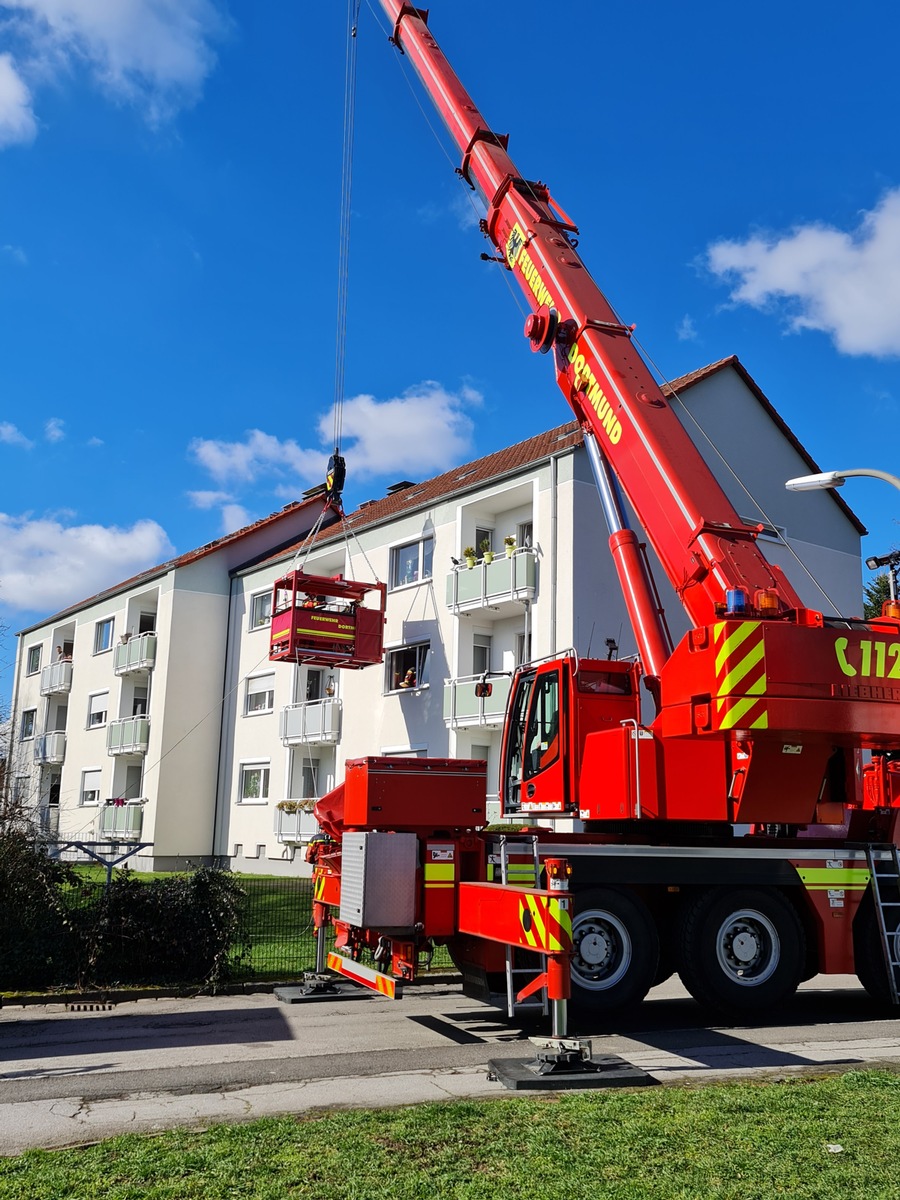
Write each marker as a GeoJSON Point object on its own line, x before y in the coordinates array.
{"type": "Point", "coordinates": [56, 679]}
{"type": "Point", "coordinates": [137, 654]}
{"type": "Point", "coordinates": [463, 708]}
{"type": "Point", "coordinates": [500, 586]}
{"type": "Point", "coordinates": [128, 736]}
{"type": "Point", "coordinates": [295, 828]}
{"type": "Point", "coordinates": [50, 748]}
{"type": "Point", "coordinates": [121, 822]}
{"type": "Point", "coordinates": [315, 722]}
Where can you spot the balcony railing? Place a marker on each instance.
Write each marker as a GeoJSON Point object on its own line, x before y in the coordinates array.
{"type": "Point", "coordinates": [137, 654]}
{"type": "Point", "coordinates": [499, 586]}
{"type": "Point", "coordinates": [121, 822]}
{"type": "Point", "coordinates": [128, 736]}
{"type": "Point", "coordinates": [462, 707]}
{"type": "Point", "coordinates": [295, 828]}
{"type": "Point", "coordinates": [56, 679]}
{"type": "Point", "coordinates": [50, 748]}
{"type": "Point", "coordinates": [316, 722]}
{"type": "Point", "coordinates": [48, 821]}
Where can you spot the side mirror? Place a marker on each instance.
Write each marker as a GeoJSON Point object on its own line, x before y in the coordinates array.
{"type": "Point", "coordinates": [483, 688]}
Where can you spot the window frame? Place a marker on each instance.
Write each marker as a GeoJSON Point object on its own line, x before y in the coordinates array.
{"type": "Point", "coordinates": [255, 599]}
{"type": "Point", "coordinates": [270, 692]}
{"type": "Point", "coordinates": [37, 649]}
{"type": "Point", "coordinates": [83, 791]}
{"type": "Point", "coordinates": [99, 626]}
{"type": "Point", "coordinates": [264, 766]}
{"type": "Point", "coordinates": [420, 665]}
{"type": "Point", "coordinates": [91, 724]}
{"type": "Point", "coordinates": [424, 568]}
{"type": "Point", "coordinates": [31, 726]}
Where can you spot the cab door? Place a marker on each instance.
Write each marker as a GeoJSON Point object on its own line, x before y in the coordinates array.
{"type": "Point", "coordinates": [544, 785]}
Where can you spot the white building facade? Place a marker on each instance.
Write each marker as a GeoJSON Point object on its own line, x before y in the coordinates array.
{"type": "Point", "coordinates": [225, 751]}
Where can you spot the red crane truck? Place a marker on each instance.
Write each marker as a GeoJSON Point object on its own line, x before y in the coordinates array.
{"type": "Point", "coordinates": [767, 716]}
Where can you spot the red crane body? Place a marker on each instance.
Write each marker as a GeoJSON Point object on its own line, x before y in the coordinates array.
{"type": "Point", "coordinates": [763, 712]}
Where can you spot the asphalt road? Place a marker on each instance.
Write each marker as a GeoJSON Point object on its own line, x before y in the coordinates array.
{"type": "Point", "coordinates": [70, 1077]}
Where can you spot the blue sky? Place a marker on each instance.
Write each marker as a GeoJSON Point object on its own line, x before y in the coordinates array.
{"type": "Point", "coordinates": [169, 237]}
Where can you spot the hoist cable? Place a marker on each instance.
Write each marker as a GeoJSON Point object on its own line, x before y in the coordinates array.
{"type": "Point", "coordinates": [344, 233]}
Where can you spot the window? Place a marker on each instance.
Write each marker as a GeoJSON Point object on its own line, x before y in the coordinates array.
{"type": "Point", "coordinates": [147, 622]}
{"type": "Point", "coordinates": [139, 702]}
{"type": "Point", "coordinates": [406, 667]}
{"type": "Point", "coordinates": [260, 610]}
{"type": "Point", "coordinates": [254, 783]}
{"type": "Point", "coordinates": [523, 648]}
{"type": "Point", "coordinates": [484, 540]}
{"type": "Point", "coordinates": [412, 562]}
{"type": "Point", "coordinates": [103, 635]}
{"type": "Point", "coordinates": [525, 534]}
{"type": "Point", "coordinates": [90, 787]}
{"type": "Point", "coordinates": [98, 708]}
{"type": "Point", "coordinates": [314, 684]}
{"type": "Point", "coordinates": [481, 654]}
{"type": "Point", "coordinates": [541, 738]}
{"type": "Point", "coordinates": [21, 787]}
{"type": "Point", "coordinates": [310, 779]}
{"type": "Point", "coordinates": [29, 716]}
{"type": "Point", "coordinates": [260, 694]}
{"type": "Point", "coordinates": [34, 660]}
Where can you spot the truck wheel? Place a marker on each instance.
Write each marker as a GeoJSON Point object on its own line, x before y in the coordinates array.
{"type": "Point", "coordinates": [868, 953]}
{"type": "Point", "coordinates": [741, 950]}
{"type": "Point", "coordinates": [616, 951]}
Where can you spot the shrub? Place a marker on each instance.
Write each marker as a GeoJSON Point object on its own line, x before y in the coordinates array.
{"type": "Point", "coordinates": [37, 943]}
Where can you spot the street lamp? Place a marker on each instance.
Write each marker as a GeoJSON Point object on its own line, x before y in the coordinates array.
{"type": "Point", "coordinates": [836, 479]}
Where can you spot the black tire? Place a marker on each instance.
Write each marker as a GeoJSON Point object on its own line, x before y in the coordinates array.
{"type": "Point", "coordinates": [616, 951]}
{"type": "Point", "coordinates": [741, 950]}
{"type": "Point", "coordinates": [868, 953]}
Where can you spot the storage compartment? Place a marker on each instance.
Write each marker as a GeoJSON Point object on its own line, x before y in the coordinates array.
{"type": "Point", "coordinates": [378, 881]}
{"type": "Point", "coordinates": [415, 793]}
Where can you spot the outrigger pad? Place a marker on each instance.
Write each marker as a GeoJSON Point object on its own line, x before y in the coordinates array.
{"type": "Point", "coordinates": [565, 1063]}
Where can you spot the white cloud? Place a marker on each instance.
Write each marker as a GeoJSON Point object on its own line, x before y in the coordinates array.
{"type": "Point", "coordinates": [95, 441]}
{"type": "Point", "coordinates": [17, 121]}
{"type": "Point", "coordinates": [234, 517]}
{"type": "Point", "coordinates": [13, 436]}
{"type": "Point", "coordinates": [242, 462]}
{"type": "Point", "coordinates": [54, 430]}
{"type": "Point", "coordinates": [419, 433]}
{"type": "Point", "coordinates": [846, 284]}
{"type": "Point", "coordinates": [208, 499]}
{"type": "Point", "coordinates": [687, 330]}
{"type": "Point", "coordinates": [47, 565]}
{"type": "Point", "coordinates": [155, 54]}
{"type": "Point", "coordinates": [16, 253]}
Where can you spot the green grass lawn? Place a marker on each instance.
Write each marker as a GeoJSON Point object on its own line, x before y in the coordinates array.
{"type": "Point", "coordinates": [829, 1138]}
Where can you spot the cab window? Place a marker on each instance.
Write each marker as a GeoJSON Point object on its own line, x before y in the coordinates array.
{"type": "Point", "coordinates": [542, 735]}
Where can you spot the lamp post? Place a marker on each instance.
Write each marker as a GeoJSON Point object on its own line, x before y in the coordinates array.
{"type": "Point", "coordinates": [836, 479]}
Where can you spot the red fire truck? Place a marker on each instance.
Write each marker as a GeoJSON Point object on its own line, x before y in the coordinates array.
{"type": "Point", "coordinates": [744, 834]}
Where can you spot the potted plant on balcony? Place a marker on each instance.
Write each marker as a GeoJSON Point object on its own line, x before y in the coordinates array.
{"type": "Point", "coordinates": [486, 552]}
{"type": "Point", "coordinates": [509, 543]}
{"type": "Point", "coordinates": [469, 556]}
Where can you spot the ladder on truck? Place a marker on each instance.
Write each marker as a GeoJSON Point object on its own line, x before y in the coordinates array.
{"type": "Point", "coordinates": [886, 882]}
{"type": "Point", "coordinates": [537, 1003]}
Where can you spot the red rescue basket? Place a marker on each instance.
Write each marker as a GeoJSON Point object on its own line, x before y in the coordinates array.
{"type": "Point", "coordinates": [323, 621]}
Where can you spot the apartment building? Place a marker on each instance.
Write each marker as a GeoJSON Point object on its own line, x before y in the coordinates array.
{"type": "Point", "coordinates": [225, 757]}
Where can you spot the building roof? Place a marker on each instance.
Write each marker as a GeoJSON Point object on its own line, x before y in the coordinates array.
{"type": "Point", "coordinates": [181, 560]}
{"type": "Point", "coordinates": [407, 497]}
{"type": "Point", "coordinates": [686, 381]}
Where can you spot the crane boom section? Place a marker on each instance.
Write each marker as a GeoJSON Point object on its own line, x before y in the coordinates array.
{"type": "Point", "coordinates": [703, 545]}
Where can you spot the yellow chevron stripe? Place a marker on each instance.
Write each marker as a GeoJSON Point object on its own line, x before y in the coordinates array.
{"type": "Point", "coordinates": [761, 722]}
{"type": "Point", "coordinates": [740, 707]}
{"type": "Point", "coordinates": [743, 668]}
{"type": "Point", "coordinates": [734, 639]}
{"type": "Point", "coordinates": [529, 933]}
{"type": "Point", "coordinates": [537, 917]}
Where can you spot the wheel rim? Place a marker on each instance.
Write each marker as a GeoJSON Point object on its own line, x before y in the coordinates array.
{"type": "Point", "coordinates": [748, 948]}
{"type": "Point", "coordinates": [602, 950]}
